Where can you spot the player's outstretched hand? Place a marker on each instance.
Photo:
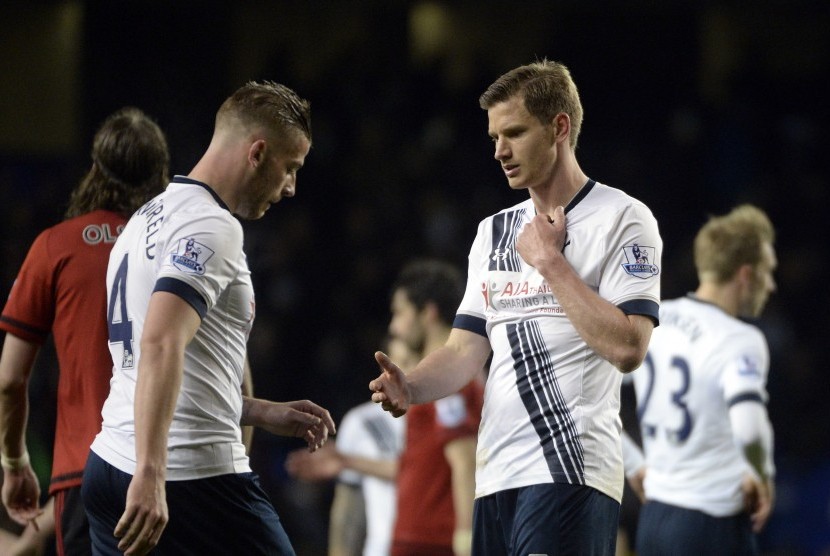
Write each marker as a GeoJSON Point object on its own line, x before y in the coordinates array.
{"type": "Point", "coordinates": [390, 389]}
{"type": "Point", "coordinates": [324, 465]}
{"type": "Point", "coordinates": [301, 419]}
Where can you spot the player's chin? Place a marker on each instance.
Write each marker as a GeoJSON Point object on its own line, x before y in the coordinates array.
{"type": "Point", "coordinates": [517, 184]}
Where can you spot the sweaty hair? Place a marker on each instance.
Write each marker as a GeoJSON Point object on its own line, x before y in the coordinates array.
{"type": "Point", "coordinates": [266, 104]}
{"type": "Point", "coordinates": [130, 162]}
{"type": "Point", "coordinates": [725, 243]}
{"type": "Point", "coordinates": [547, 89]}
{"type": "Point", "coordinates": [432, 281]}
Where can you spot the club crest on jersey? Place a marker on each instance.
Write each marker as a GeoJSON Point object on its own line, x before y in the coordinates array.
{"type": "Point", "coordinates": [191, 256]}
{"type": "Point", "coordinates": [638, 261]}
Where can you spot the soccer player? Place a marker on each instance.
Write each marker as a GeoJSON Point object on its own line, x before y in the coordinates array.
{"type": "Point", "coordinates": [60, 289]}
{"type": "Point", "coordinates": [701, 395]}
{"type": "Point", "coordinates": [169, 469]}
{"type": "Point", "coordinates": [365, 463]}
{"type": "Point", "coordinates": [436, 474]}
{"type": "Point", "coordinates": [564, 289]}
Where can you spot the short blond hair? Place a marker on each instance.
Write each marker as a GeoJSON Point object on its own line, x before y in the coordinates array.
{"type": "Point", "coordinates": [725, 243]}
{"type": "Point", "coordinates": [547, 89]}
{"type": "Point", "coordinates": [269, 105]}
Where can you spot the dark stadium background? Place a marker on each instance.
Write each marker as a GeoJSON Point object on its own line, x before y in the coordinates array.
{"type": "Point", "coordinates": [689, 106]}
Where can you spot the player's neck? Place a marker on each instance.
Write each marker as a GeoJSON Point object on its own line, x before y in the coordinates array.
{"type": "Point", "coordinates": [567, 180]}
{"type": "Point", "coordinates": [722, 295]}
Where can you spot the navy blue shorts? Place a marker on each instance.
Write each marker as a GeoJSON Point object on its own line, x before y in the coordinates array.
{"type": "Point", "coordinates": [71, 525]}
{"type": "Point", "coordinates": [666, 529]}
{"type": "Point", "coordinates": [227, 514]}
{"type": "Point", "coordinates": [545, 519]}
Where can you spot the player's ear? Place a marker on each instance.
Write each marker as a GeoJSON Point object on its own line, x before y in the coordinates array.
{"type": "Point", "coordinates": [430, 311]}
{"type": "Point", "coordinates": [745, 274]}
{"type": "Point", "coordinates": [256, 152]}
{"type": "Point", "coordinates": [562, 126]}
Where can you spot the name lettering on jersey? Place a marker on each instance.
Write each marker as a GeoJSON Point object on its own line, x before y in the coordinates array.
{"type": "Point", "coordinates": [191, 256]}
{"type": "Point", "coordinates": [685, 324]}
{"type": "Point", "coordinates": [97, 233]}
{"type": "Point", "coordinates": [153, 211]}
{"type": "Point", "coordinates": [637, 261]}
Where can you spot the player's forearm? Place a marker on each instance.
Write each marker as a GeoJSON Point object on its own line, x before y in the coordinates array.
{"type": "Point", "coordinates": [448, 369]}
{"type": "Point", "coordinates": [13, 416]}
{"type": "Point", "coordinates": [753, 435]}
{"type": "Point", "coordinates": [15, 367]}
{"type": "Point", "coordinates": [605, 328]}
{"type": "Point", "coordinates": [157, 389]}
{"type": "Point", "coordinates": [386, 469]}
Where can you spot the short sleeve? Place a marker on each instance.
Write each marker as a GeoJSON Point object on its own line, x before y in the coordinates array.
{"type": "Point", "coordinates": [30, 308]}
{"type": "Point", "coordinates": [745, 370]}
{"type": "Point", "coordinates": [631, 270]}
{"type": "Point", "coordinates": [203, 252]}
{"type": "Point", "coordinates": [470, 314]}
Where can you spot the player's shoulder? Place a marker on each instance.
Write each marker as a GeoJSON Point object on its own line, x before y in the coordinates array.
{"type": "Point", "coordinates": [91, 228]}
{"type": "Point", "coordinates": [525, 205]}
{"type": "Point", "coordinates": [604, 200]}
{"type": "Point", "coordinates": [720, 326]}
{"type": "Point", "coordinates": [506, 215]}
{"type": "Point", "coordinates": [192, 206]}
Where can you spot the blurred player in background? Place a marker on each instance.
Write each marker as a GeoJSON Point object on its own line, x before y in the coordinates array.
{"type": "Point", "coordinates": [169, 469]}
{"type": "Point", "coordinates": [436, 475]}
{"type": "Point", "coordinates": [564, 289]}
{"type": "Point", "coordinates": [365, 463]}
{"type": "Point", "coordinates": [701, 396]}
{"type": "Point", "coordinates": [60, 289]}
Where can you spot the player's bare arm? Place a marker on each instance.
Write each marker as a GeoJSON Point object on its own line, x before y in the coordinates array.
{"type": "Point", "coordinates": [619, 338]}
{"type": "Point", "coordinates": [301, 419]}
{"type": "Point", "coordinates": [21, 490]}
{"type": "Point", "coordinates": [170, 325]}
{"type": "Point", "coordinates": [441, 373]}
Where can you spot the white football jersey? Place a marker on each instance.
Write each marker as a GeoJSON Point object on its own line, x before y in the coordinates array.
{"type": "Point", "coordinates": [700, 362]}
{"type": "Point", "coordinates": [368, 431]}
{"type": "Point", "coordinates": [551, 404]}
{"type": "Point", "coordinates": [184, 241]}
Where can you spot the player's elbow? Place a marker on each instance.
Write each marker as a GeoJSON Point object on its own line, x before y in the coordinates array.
{"type": "Point", "coordinates": [629, 357]}
{"type": "Point", "coordinates": [629, 352]}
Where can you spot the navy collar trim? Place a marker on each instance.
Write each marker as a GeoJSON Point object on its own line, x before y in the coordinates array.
{"type": "Point", "coordinates": [191, 181]}
{"type": "Point", "coordinates": [581, 194]}
{"type": "Point", "coordinates": [693, 296]}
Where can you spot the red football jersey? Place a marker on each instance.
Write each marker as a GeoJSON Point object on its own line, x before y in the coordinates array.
{"type": "Point", "coordinates": [61, 289]}
{"type": "Point", "coordinates": [426, 515]}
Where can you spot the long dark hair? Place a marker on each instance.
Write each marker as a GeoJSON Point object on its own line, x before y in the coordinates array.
{"type": "Point", "coordinates": [130, 162]}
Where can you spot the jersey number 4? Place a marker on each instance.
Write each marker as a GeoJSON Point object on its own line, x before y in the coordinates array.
{"type": "Point", "coordinates": [679, 435]}
{"type": "Point", "coordinates": [120, 326]}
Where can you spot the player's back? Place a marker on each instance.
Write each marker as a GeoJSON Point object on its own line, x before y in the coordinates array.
{"type": "Point", "coordinates": [699, 360]}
